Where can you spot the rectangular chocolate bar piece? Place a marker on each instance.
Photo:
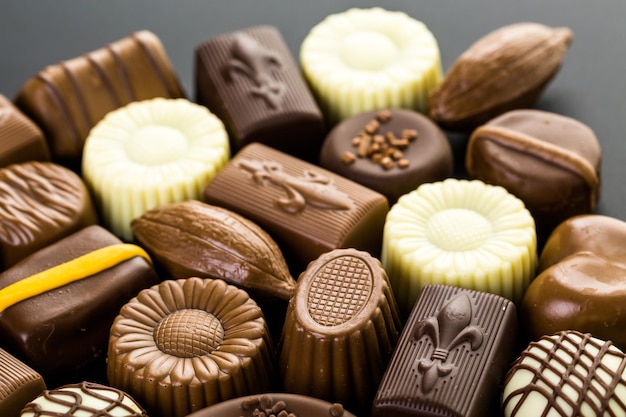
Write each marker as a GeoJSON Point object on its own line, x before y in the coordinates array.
{"type": "Point", "coordinates": [307, 209]}
{"type": "Point", "coordinates": [67, 99]}
{"type": "Point", "coordinates": [20, 138]}
{"type": "Point", "coordinates": [452, 356]}
{"type": "Point", "coordinates": [249, 79]}
{"type": "Point", "coordinates": [19, 384]}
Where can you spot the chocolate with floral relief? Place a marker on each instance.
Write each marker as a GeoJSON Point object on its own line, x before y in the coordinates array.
{"type": "Point", "coordinates": [249, 79]}
{"type": "Point", "coordinates": [67, 99]}
{"type": "Point", "coordinates": [19, 384]}
{"type": "Point", "coordinates": [452, 356]}
{"type": "Point", "coordinates": [20, 138]}
{"type": "Point", "coordinates": [58, 304]}
{"type": "Point", "coordinates": [192, 238]}
{"type": "Point", "coordinates": [305, 208]}
{"type": "Point", "coordinates": [40, 203]}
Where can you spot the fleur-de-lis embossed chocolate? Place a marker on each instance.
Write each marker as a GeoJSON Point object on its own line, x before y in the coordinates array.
{"type": "Point", "coordinates": [452, 355]}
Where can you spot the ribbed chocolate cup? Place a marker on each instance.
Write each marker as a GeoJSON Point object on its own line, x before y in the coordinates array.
{"type": "Point", "coordinates": [340, 330]}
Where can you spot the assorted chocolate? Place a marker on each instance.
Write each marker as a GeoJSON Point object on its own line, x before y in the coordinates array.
{"type": "Point", "coordinates": [391, 151]}
{"type": "Point", "coordinates": [250, 80]}
{"type": "Point", "coordinates": [21, 140]}
{"type": "Point", "coordinates": [19, 384]}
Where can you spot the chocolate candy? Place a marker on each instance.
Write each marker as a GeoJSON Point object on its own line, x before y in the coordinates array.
{"type": "Point", "coordinates": [185, 344]}
{"type": "Point", "coordinates": [191, 238]}
{"type": "Point", "coordinates": [249, 79]}
{"type": "Point", "coordinates": [459, 232]}
{"type": "Point", "coordinates": [20, 139]}
{"type": "Point", "coordinates": [67, 99]}
{"type": "Point", "coordinates": [452, 356]}
{"type": "Point", "coordinates": [581, 283]}
{"type": "Point", "coordinates": [306, 209]}
{"type": "Point", "coordinates": [568, 374]}
{"type": "Point", "coordinates": [551, 162]}
{"type": "Point", "coordinates": [344, 322]}
{"type": "Point", "coordinates": [57, 305]}
{"type": "Point", "coordinates": [86, 399]}
{"type": "Point", "coordinates": [390, 151]}
{"type": "Point", "coordinates": [19, 384]}
{"type": "Point", "coordinates": [151, 153]}
{"type": "Point", "coordinates": [367, 59]}
{"type": "Point", "coordinates": [274, 405]}
{"type": "Point", "coordinates": [40, 203]}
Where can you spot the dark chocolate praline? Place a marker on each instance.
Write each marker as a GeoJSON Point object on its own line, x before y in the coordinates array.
{"type": "Point", "coordinates": [428, 156]}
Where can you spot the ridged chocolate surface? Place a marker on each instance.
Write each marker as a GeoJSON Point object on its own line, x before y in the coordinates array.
{"type": "Point", "coordinates": [20, 138]}
{"type": "Point", "coordinates": [19, 384]}
{"type": "Point", "coordinates": [67, 99]}
{"type": "Point", "coordinates": [452, 356]}
{"type": "Point", "coordinates": [306, 209]}
{"type": "Point", "coordinates": [40, 203]}
{"type": "Point", "coordinates": [189, 343]}
{"type": "Point", "coordinates": [73, 320]}
{"type": "Point", "coordinates": [251, 82]}
{"type": "Point", "coordinates": [192, 238]}
{"type": "Point", "coordinates": [341, 327]}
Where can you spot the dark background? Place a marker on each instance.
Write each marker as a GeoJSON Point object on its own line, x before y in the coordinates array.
{"type": "Point", "coordinates": [590, 87]}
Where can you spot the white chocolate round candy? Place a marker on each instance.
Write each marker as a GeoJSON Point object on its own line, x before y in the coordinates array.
{"type": "Point", "coordinates": [151, 153]}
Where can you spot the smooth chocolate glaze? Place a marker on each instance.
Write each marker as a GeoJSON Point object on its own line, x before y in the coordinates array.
{"type": "Point", "coordinates": [67, 99]}
{"type": "Point", "coordinates": [63, 329]}
{"type": "Point", "coordinates": [452, 356]}
{"type": "Point", "coordinates": [581, 283]}
{"type": "Point", "coordinates": [567, 374]}
{"type": "Point", "coordinates": [428, 156]}
{"type": "Point", "coordinates": [40, 203]}
{"type": "Point", "coordinates": [340, 330]}
{"type": "Point", "coordinates": [19, 384]}
{"type": "Point", "coordinates": [274, 405]}
{"type": "Point", "coordinates": [551, 162]}
{"type": "Point", "coordinates": [20, 138]}
{"type": "Point", "coordinates": [249, 79]}
{"type": "Point", "coordinates": [306, 209]}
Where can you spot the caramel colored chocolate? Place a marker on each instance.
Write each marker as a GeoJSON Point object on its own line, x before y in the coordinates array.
{"type": "Point", "coordinates": [85, 399]}
{"type": "Point", "coordinates": [567, 374]}
{"type": "Point", "coordinates": [452, 356]}
{"type": "Point", "coordinates": [192, 238]}
{"type": "Point", "coordinates": [20, 138]}
{"type": "Point", "coordinates": [551, 162]}
{"type": "Point", "coordinates": [306, 209]}
{"type": "Point", "coordinates": [249, 79]}
{"type": "Point", "coordinates": [19, 384]}
{"type": "Point", "coordinates": [67, 99]}
{"type": "Point", "coordinates": [186, 344]}
{"type": "Point", "coordinates": [40, 203]}
{"type": "Point", "coordinates": [582, 281]}
{"type": "Point", "coordinates": [394, 151]}
{"type": "Point", "coordinates": [66, 326]}
{"type": "Point", "coordinates": [274, 405]}
{"type": "Point", "coordinates": [340, 330]}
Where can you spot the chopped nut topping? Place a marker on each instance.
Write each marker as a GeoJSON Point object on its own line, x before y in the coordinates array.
{"type": "Point", "coordinates": [348, 157]}
{"type": "Point", "coordinates": [383, 116]}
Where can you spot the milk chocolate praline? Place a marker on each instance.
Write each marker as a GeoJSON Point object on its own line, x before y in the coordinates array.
{"type": "Point", "coordinates": [21, 140]}
{"type": "Point", "coordinates": [551, 162]}
{"type": "Point", "coordinates": [582, 281]}
{"type": "Point", "coordinates": [19, 384]}
{"type": "Point", "coordinates": [412, 150]}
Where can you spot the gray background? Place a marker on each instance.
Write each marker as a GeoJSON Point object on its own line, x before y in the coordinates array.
{"type": "Point", "coordinates": [590, 87]}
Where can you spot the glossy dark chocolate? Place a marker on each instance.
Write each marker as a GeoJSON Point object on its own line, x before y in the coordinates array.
{"type": "Point", "coordinates": [192, 238]}
{"type": "Point", "coordinates": [581, 283]}
{"type": "Point", "coordinates": [340, 330]}
{"type": "Point", "coordinates": [20, 138]}
{"type": "Point", "coordinates": [274, 405]}
{"type": "Point", "coordinates": [67, 99]}
{"type": "Point", "coordinates": [63, 329]}
{"type": "Point", "coordinates": [40, 203]}
{"type": "Point", "coordinates": [397, 150]}
{"type": "Point", "coordinates": [306, 209]}
{"type": "Point", "coordinates": [249, 79]}
{"type": "Point", "coordinates": [452, 356]}
{"type": "Point", "coordinates": [551, 162]}
{"type": "Point", "coordinates": [19, 384]}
